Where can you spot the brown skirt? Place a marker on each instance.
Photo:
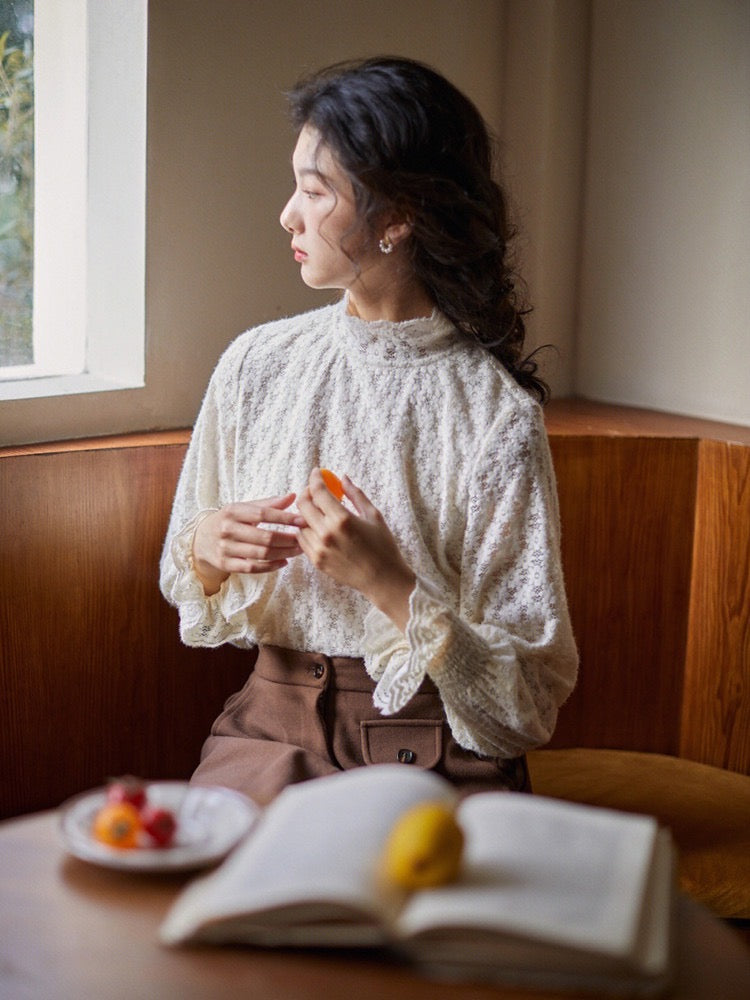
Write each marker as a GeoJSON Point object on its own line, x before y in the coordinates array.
{"type": "Point", "coordinates": [305, 715]}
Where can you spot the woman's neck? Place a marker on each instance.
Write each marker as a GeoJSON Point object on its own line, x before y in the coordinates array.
{"type": "Point", "coordinates": [396, 304]}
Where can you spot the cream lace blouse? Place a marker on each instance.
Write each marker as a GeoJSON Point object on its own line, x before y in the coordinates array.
{"type": "Point", "coordinates": [455, 456]}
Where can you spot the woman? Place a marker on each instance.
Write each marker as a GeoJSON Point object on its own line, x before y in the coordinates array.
{"type": "Point", "coordinates": [424, 619]}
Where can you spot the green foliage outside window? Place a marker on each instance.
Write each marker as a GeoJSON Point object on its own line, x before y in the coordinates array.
{"type": "Point", "coordinates": [16, 187]}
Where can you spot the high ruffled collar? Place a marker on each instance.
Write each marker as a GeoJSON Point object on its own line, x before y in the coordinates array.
{"type": "Point", "coordinates": [385, 342]}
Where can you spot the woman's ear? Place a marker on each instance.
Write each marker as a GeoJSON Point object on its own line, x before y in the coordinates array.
{"type": "Point", "coordinates": [395, 232]}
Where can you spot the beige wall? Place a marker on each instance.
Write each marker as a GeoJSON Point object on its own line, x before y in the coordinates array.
{"type": "Point", "coordinates": [543, 121]}
{"type": "Point", "coordinates": [665, 281]}
{"type": "Point", "coordinates": [221, 145]}
{"type": "Point", "coordinates": [628, 122]}
{"type": "Point", "coordinates": [219, 173]}
{"type": "Point", "coordinates": [626, 153]}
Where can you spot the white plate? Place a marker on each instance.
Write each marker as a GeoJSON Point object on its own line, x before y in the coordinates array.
{"type": "Point", "coordinates": [210, 822]}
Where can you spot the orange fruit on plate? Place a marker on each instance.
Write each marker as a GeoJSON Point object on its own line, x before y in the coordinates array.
{"type": "Point", "coordinates": [117, 824]}
{"type": "Point", "coordinates": [333, 483]}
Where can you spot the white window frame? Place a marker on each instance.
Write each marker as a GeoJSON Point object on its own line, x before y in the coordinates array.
{"type": "Point", "coordinates": [90, 69]}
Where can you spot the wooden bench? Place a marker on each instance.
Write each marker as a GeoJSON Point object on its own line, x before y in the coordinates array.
{"type": "Point", "coordinates": [656, 548]}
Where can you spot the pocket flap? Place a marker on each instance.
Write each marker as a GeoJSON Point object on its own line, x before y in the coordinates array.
{"type": "Point", "coordinates": [402, 741]}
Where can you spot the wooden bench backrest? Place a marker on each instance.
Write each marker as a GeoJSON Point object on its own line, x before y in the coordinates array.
{"type": "Point", "coordinates": [96, 682]}
{"type": "Point", "coordinates": [656, 550]}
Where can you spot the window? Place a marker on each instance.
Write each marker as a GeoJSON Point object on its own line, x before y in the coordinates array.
{"type": "Point", "coordinates": [89, 91]}
{"type": "Point", "coordinates": [16, 181]}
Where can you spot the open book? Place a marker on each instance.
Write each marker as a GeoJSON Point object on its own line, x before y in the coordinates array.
{"type": "Point", "coordinates": [550, 893]}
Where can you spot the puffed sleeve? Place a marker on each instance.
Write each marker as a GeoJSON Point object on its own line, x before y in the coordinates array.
{"type": "Point", "coordinates": [502, 652]}
{"type": "Point", "coordinates": [206, 484]}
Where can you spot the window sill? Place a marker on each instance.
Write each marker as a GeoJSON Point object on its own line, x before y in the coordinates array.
{"type": "Point", "coordinates": [62, 385]}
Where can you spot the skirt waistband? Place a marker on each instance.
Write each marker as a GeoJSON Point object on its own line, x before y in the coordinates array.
{"type": "Point", "coordinates": [347, 673]}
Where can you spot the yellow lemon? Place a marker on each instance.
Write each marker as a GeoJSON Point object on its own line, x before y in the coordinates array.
{"type": "Point", "coordinates": [424, 847]}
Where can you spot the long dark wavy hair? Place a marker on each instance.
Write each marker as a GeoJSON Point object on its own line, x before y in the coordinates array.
{"type": "Point", "coordinates": [410, 141]}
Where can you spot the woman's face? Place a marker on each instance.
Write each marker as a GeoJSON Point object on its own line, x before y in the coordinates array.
{"type": "Point", "coordinates": [321, 215]}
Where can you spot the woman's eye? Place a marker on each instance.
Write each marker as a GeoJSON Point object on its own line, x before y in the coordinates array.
{"type": "Point", "coordinates": [310, 194]}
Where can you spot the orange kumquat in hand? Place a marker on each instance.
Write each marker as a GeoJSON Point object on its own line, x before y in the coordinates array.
{"type": "Point", "coordinates": [333, 483]}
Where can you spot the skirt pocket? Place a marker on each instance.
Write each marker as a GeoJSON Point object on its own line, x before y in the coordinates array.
{"type": "Point", "coordinates": [402, 741]}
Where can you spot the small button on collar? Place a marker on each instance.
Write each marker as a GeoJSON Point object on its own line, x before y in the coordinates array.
{"type": "Point", "coordinates": [406, 756]}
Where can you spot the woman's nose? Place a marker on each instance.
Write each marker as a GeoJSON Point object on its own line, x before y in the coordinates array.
{"type": "Point", "coordinates": [287, 217]}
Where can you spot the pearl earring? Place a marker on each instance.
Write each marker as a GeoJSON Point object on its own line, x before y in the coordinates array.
{"type": "Point", "coordinates": [385, 245]}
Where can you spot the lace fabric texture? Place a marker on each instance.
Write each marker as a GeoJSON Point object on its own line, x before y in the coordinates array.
{"type": "Point", "coordinates": [455, 456]}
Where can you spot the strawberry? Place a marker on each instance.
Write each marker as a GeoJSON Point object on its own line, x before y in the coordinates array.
{"type": "Point", "coordinates": [127, 789]}
{"type": "Point", "coordinates": [160, 824]}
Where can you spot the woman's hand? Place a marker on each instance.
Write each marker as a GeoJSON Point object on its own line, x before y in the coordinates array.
{"type": "Point", "coordinates": [231, 540]}
{"type": "Point", "coordinates": [355, 549]}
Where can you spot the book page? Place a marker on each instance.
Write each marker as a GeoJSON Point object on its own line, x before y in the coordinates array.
{"type": "Point", "coordinates": [316, 845]}
{"type": "Point", "coordinates": [546, 870]}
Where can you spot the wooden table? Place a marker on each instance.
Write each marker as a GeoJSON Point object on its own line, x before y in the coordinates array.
{"type": "Point", "coordinates": [71, 931]}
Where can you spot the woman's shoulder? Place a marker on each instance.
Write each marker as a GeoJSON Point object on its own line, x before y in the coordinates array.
{"type": "Point", "coordinates": [491, 388]}
{"type": "Point", "coordinates": [269, 338]}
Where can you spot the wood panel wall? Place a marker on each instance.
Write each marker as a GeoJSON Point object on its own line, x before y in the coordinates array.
{"type": "Point", "coordinates": [655, 512]}
{"type": "Point", "coordinates": [627, 507]}
{"type": "Point", "coordinates": [95, 682]}
{"type": "Point", "coordinates": [716, 706]}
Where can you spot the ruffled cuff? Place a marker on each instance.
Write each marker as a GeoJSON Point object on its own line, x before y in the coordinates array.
{"type": "Point", "coordinates": [399, 661]}
{"type": "Point", "coordinates": [208, 620]}
{"type": "Point", "coordinates": [186, 585]}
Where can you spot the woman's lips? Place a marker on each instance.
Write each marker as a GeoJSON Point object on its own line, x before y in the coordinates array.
{"type": "Point", "coordinates": [299, 255]}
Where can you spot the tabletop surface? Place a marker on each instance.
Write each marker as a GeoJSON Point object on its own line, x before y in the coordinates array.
{"type": "Point", "coordinates": [72, 930]}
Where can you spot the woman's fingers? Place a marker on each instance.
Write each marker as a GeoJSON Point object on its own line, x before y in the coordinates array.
{"type": "Point", "coordinates": [326, 505]}
{"type": "Point", "coordinates": [346, 545]}
{"type": "Point", "coordinates": [271, 510]}
{"type": "Point", "coordinates": [259, 544]}
{"type": "Point", "coordinates": [318, 493]}
{"type": "Point", "coordinates": [242, 537]}
{"type": "Point", "coordinates": [362, 503]}
{"type": "Point", "coordinates": [254, 566]}
{"type": "Point", "coordinates": [268, 545]}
